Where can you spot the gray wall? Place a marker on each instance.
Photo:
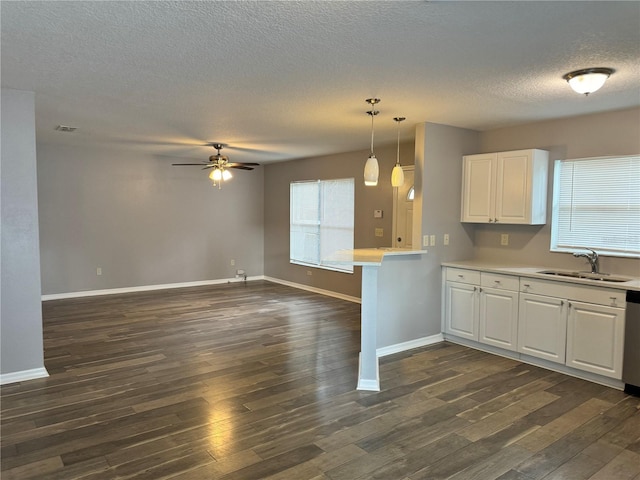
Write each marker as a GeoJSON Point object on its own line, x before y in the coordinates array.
{"type": "Point", "coordinates": [20, 313]}
{"type": "Point", "coordinates": [603, 134]}
{"type": "Point", "coordinates": [439, 151]}
{"type": "Point", "coordinates": [143, 221]}
{"type": "Point", "coordinates": [278, 176]}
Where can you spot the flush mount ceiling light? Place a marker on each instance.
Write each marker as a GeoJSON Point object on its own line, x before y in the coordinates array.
{"type": "Point", "coordinates": [397, 174]}
{"type": "Point", "coordinates": [371, 170]}
{"type": "Point", "coordinates": [588, 80]}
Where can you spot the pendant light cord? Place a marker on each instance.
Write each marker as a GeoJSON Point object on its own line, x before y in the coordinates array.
{"type": "Point", "coordinates": [398, 153]}
{"type": "Point", "coordinates": [398, 120]}
{"type": "Point", "coordinates": [372, 113]}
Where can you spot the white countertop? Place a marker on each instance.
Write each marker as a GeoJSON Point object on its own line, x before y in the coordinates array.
{"type": "Point", "coordinates": [367, 256]}
{"type": "Point", "coordinates": [533, 272]}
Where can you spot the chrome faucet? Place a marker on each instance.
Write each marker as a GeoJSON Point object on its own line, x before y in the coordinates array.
{"type": "Point", "coordinates": [592, 258]}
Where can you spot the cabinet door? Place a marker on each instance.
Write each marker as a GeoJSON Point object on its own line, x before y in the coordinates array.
{"type": "Point", "coordinates": [513, 187]}
{"type": "Point", "coordinates": [499, 318]}
{"type": "Point", "coordinates": [461, 310]}
{"type": "Point", "coordinates": [595, 339]}
{"type": "Point", "coordinates": [542, 327]}
{"type": "Point", "coordinates": [478, 186]}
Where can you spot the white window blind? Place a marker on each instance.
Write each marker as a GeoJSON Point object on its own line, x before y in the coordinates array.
{"type": "Point", "coordinates": [596, 204]}
{"type": "Point", "coordinates": [321, 221]}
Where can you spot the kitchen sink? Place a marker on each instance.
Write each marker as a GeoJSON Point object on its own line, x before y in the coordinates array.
{"type": "Point", "coordinates": [602, 277]}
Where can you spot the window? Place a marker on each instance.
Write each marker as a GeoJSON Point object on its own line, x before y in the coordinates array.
{"type": "Point", "coordinates": [321, 221]}
{"type": "Point", "coordinates": [596, 204]}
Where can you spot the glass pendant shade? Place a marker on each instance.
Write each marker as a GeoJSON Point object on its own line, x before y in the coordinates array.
{"type": "Point", "coordinates": [371, 171]}
{"type": "Point", "coordinates": [397, 176]}
{"type": "Point", "coordinates": [216, 175]}
{"type": "Point", "coordinates": [588, 80]}
{"type": "Point", "coordinates": [226, 175]}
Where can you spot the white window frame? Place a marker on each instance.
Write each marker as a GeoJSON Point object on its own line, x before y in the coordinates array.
{"type": "Point", "coordinates": [315, 223]}
{"type": "Point", "coordinates": [608, 187]}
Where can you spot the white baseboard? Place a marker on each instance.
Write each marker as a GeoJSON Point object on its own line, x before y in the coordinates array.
{"type": "Point", "coordinates": [320, 291]}
{"type": "Point", "coordinates": [144, 288]}
{"type": "Point", "coordinates": [23, 375]}
{"type": "Point", "coordinates": [401, 347]}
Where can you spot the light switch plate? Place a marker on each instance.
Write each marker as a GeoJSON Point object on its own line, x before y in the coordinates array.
{"type": "Point", "coordinates": [379, 232]}
{"type": "Point", "coordinates": [445, 239]}
{"type": "Point", "coordinates": [504, 239]}
{"type": "Point", "coordinates": [432, 240]}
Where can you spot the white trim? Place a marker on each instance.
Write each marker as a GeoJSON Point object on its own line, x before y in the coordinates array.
{"type": "Point", "coordinates": [538, 362]}
{"type": "Point", "coordinates": [144, 288]}
{"type": "Point", "coordinates": [23, 375]}
{"type": "Point", "coordinates": [368, 384]}
{"type": "Point", "coordinates": [401, 347]}
{"type": "Point", "coordinates": [308, 288]}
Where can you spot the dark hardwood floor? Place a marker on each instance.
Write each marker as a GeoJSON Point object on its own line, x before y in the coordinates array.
{"type": "Point", "coordinates": [258, 381]}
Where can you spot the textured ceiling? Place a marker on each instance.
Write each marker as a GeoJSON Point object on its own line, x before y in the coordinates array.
{"type": "Point", "coordinates": [281, 80]}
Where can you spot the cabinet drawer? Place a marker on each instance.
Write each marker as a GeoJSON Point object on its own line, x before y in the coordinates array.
{"type": "Point", "coordinates": [579, 293]}
{"type": "Point", "coordinates": [463, 276]}
{"type": "Point", "coordinates": [502, 282]}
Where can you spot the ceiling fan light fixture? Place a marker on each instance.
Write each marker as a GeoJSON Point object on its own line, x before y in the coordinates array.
{"type": "Point", "coordinates": [397, 174]}
{"type": "Point", "coordinates": [226, 175]}
{"type": "Point", "coordinates": [588, 80]}
{"type": "Point", "coordinates": [371, 169]}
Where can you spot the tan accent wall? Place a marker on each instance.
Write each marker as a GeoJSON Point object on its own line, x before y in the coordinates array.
{"type": "Point", "coordinates": [278, 176]}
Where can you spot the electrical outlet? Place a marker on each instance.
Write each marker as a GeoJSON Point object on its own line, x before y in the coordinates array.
{"type": "Point", "coordinates": [233, 262]}
{"type": "Point", "coordinates": [504, 239]}
{"type": "Point", "coordinates": [379, 232]}
{"type": "Point", "coordinates": [445, 239]}
{"type": "Point", "coordinates": [425, 240]}
{"type": "Point", "coordinates": [309, 273]}
{"type": "Point", "coordinates": [99, 271]}
{"type": "Point", "coordinates": [432, 240]}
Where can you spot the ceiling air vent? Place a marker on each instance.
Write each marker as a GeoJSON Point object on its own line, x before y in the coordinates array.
{"type": "Point", "coordinates": [66, 128]}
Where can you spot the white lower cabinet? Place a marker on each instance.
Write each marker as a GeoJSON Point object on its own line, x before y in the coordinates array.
{"type": "Point", "coordinates": [595, 338]}
{"type": "Point", "coordinates": [499, 311]}
{"type": "Point", "coordinates": [461, 309]}
{"type": "Point", "coordinates": [579, 326]}
{"type": "Point", "coordinates": [542, 327]}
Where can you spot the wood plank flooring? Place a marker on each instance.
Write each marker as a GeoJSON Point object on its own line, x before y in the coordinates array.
{"type": "Point", "coordinates": [257, 380]}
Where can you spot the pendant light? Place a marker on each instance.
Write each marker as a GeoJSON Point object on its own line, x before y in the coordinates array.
{"type": "Point", "coordinates": [588, 80]}
{"type": "Point", "coordinates": [371, 169]}
{"type": "Point", "coordinates": [397, 174]}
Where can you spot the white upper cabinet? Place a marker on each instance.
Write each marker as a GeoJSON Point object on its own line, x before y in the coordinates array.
{"type": "Point", "coordinates": [505, 187]}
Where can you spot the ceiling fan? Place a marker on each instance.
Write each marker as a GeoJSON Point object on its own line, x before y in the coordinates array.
{"type": "Point", "coordinates": [220, 165]}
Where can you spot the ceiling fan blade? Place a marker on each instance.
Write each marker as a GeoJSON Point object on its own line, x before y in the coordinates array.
{"type": "Point", "coordinates": [243, 164]}
{"type": "Point", "coordinates": [239, 167]}
{"type": "Point", "coordinates": [188, 164]}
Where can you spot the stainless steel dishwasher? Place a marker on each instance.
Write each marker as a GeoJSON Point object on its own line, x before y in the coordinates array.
{"type": "Point", "coordinates": [631, 365]}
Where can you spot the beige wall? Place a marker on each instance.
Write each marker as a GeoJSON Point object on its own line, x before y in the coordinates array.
{"type": "Point", "coordinates": [603, 134]}
{"type": "Point", "coordinates": [277, 178]}
{"type": "Point", "coordinates": [20, 309]}
{"type": "Point", "coordinates": [143, 221]}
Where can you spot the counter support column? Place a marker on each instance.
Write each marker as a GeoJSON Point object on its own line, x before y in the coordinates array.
{"type": "Point", "coordinates": [368, 375]}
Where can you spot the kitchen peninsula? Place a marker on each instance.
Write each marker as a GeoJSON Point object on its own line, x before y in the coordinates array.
{"type": "Point", "coordinates": [391, 298]}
